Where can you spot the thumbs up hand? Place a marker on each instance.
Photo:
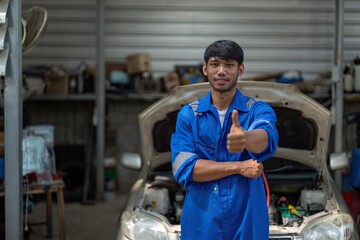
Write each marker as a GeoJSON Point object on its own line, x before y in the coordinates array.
{"type": "Point", "coordinates": [236, 139]}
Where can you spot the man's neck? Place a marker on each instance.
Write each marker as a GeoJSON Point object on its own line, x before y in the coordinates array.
{"type": "Point", "coordinates": [222, 100]}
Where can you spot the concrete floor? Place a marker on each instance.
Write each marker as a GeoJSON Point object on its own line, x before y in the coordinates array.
{"type": "Point", "coordinates": [96, 221]}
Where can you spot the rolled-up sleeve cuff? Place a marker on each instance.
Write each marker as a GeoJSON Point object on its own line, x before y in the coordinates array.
{"type": "Point", "coordinates": [183, 165]}
{"type": "Point", "coordinates": [273, 138]}
{"type": "Point", "coordinates": [180, 160]}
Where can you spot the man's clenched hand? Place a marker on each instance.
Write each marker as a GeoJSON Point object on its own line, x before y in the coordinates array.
{"type": "Point", "coordinates": [251, 168]}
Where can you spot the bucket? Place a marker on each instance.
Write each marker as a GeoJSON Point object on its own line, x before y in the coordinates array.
{"type": "Point", "coordinates": [355, 168]}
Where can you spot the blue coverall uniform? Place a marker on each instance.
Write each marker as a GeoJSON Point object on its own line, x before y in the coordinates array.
{"type": "Point", "coordinates": [233, 207]}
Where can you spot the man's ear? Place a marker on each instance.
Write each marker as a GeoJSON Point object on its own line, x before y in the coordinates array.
{"type": "Point", "coordinates": [241, 69]}
{"type": "Point", "coordinates": [204, 67]}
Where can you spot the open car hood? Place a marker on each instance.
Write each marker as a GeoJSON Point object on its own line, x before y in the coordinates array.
{"type": "Point", "coordinates": [303, 124]}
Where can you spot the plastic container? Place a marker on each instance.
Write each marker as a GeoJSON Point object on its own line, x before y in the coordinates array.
{"type": "Point", "coordinates": [355, 168]}
{"type": "Point", "coordinates": [312, 196]}
{"type": "Point", "coordinates": [357, 74]}
{"type": "Point", "coordinates": [45, 175]}
{"type": "Point", "coordinates": [32, 150]}
{"type": "Point", "coordinates": [357, 78]}
{"type": "Point", "coordinates": [179, 203]}
{"type": "Point", "coordinates": [45, 131]}
{"type": "Point", "coordinates": [272, 213]}
{"type": "Point", "coordinates": [157, 200]}
{"type": "Point", "coordinates": [2, 170]}
{"type": "Point", "coordinates": [348, 79]}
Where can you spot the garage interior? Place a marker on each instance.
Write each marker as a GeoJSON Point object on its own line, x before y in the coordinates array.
{"type": "Point", "coordinates": [98, 64]}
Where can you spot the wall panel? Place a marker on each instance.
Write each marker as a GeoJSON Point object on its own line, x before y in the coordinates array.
{"type": "Point", "coordinates": [70, 36]}
{"type": "Point", "coordinates": [276, 35]}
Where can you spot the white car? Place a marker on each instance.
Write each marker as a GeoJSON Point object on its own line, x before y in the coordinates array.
{"type": "Point", "coordinates": [303, 200]}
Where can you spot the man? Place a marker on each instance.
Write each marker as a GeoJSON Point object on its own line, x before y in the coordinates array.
{"type": "Point", "coordinates": [217, 150]}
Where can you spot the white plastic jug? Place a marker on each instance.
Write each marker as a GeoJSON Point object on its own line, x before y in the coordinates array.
{"type": "Point", "coordinates": [357, 74]}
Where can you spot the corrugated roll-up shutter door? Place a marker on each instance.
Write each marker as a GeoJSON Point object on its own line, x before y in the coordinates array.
{"type": "Point", "coordinates": [70, 37]}
{"type": "Point", "coordinates": [276, 35]}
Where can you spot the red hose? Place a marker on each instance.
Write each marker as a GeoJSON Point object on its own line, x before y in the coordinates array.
{"type": "Point", "coordinates": [267, 190]}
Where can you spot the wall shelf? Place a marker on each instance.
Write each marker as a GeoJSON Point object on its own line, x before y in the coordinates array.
{"type": "Point", "coordinates": [135, 96]}
{"type": "Point", "coordinates": [92, 97]}
{"type": "Point", "coordinates": [70, 97]}
{"type": "Point", "coordinates": [352, 97]}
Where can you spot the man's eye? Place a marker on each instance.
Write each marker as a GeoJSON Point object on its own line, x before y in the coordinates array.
{"type": "Point", "coordinates": [230, 65]}
{"type": "Point", "coordinates": [213, 64]}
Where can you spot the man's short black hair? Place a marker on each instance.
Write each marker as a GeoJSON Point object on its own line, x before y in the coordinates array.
{"type": "Point", "coordinates": [226, 50]}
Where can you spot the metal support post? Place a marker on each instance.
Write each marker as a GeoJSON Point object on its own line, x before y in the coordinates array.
{"type": "Point", "coordinates": [13, 125]}
{"type": "Point", "coordinates": [337, 90]}
{"type": "Point", "coordinates": [100, 102]}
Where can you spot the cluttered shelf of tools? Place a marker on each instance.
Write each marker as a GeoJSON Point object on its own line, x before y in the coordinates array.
{"type": "Point", "coordinates": [348, 97]}
{"type": "Point", "coordinates": [62, 97]}
{"type": "Point", "coordinates": [352, 97]}
{"type": "Point", "coordinates": [92, 97]}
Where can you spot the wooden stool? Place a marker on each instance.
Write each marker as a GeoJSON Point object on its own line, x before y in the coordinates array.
{"type": "Point", "coordinates": [57, 186]}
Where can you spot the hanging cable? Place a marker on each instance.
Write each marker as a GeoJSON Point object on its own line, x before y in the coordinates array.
{"type": "Point", "coordinates": [267, 189]}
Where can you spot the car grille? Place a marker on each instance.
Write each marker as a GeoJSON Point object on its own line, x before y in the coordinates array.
{"type": "Point", "coordinates": [272, 237]}
{"type": "Point", "coordinates": [281, 237]}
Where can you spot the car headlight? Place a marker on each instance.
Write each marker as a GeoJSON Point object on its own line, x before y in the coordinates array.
{"type": "Point", "coordinates": [140, 226]}
{"type": "Point", "coordinates": [335, 227]}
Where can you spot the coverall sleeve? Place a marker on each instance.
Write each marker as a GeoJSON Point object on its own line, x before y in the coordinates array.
{"type": "Point", "coordinates": [183, 147]}
{"type": "Point", "coordinates": [265, 118]}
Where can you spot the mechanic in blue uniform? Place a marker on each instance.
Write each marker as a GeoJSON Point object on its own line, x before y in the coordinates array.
{"type": "Point", "coordinates": [217, 149]}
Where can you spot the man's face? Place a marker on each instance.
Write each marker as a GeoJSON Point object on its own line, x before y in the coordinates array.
{"type": "Point", "coordinates": [222, 74]}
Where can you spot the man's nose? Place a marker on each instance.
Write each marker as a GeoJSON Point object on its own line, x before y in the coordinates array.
{"type": "Point", "coordinates": [221, 69]}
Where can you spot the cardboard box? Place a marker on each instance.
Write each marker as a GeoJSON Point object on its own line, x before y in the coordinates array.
{"type": "Point", "coordinates": [138, 63]}
{"type": "Point", "coordinates": [113, 66]}
{"type": "Point", "coordinates": [56, 84]}
{"type": "Point", "coordinates": [171, 80]}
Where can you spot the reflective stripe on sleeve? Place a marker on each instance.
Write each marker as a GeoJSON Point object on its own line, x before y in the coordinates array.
{"type": "Point", "coordinates": [180, 159]}
{"type": "Point", "coordinates": [194, 106]}
{"type": "Point", "coordinates": [250, 103]}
